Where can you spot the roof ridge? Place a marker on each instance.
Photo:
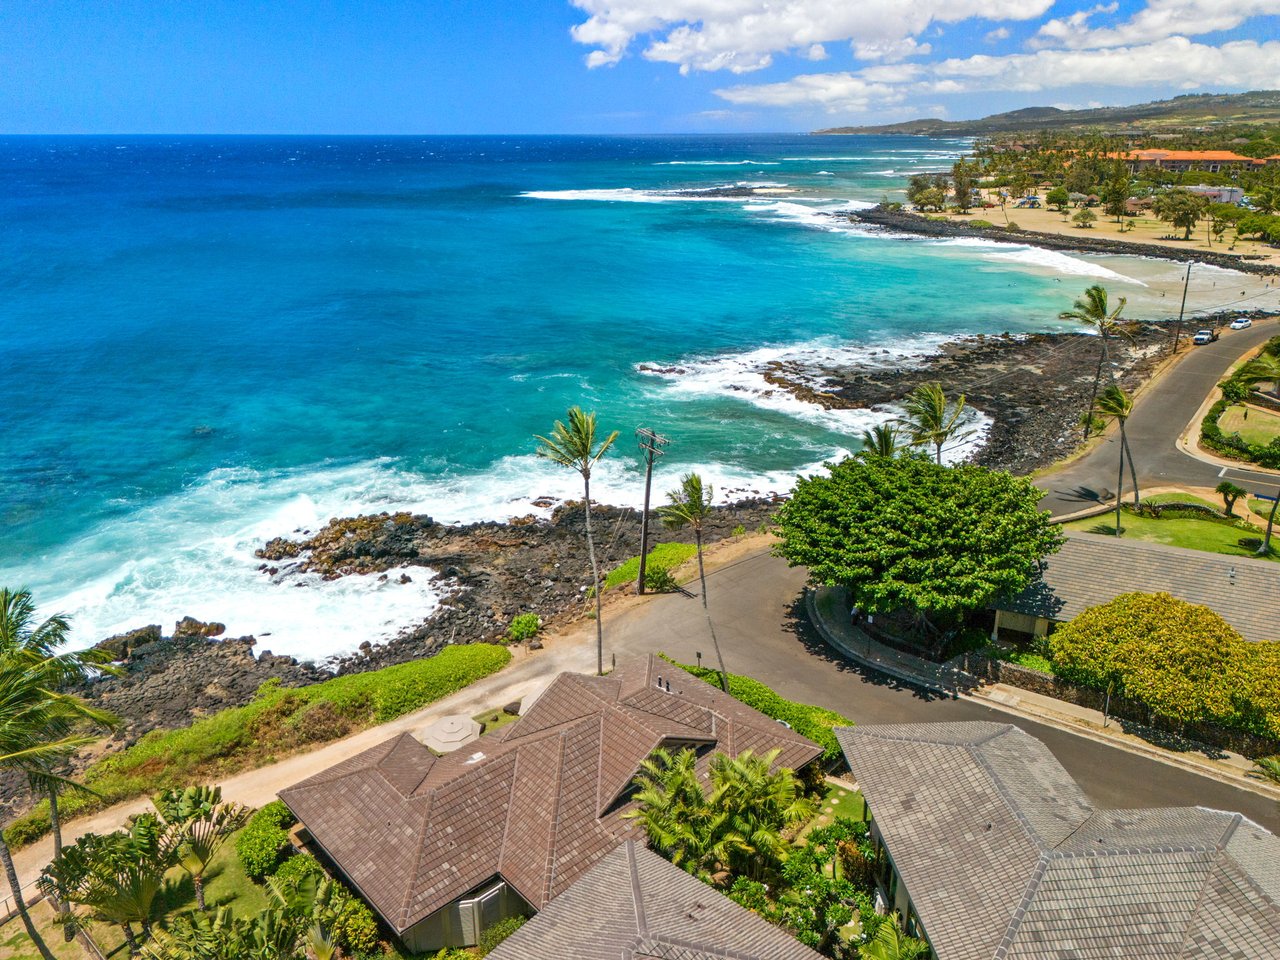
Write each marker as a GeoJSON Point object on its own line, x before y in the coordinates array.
{"type": "Point", "coordinates": [553, 825]}
{"type": "Point", "coordinates": [1200, 894]}
{"type": "Point", "coordinates": [506, 827]}
{"type": "Point", "coordinates": [1020, 911]}
{"type": "Point", "coordinates": [637, 892]}
{"type": "Point", "coordinates": [1003, 791]}
{"type": "Point", "coordinates": [417, 861]}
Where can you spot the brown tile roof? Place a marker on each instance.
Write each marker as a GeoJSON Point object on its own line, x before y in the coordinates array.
{"type": "Point", "coordinates": [633, 905]}
{"type": "Point", "coordinates": [1091, 569]}
{"type": "Point", "coordinates": [536, 801]}
{"type": "Point", "coordinates": [998, 869]}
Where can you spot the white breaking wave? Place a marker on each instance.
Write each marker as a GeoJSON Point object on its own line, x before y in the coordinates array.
{"type": "Point", "coordinates": [1037, 257]}
{"type": "Point", "coordinates": [717, 163]}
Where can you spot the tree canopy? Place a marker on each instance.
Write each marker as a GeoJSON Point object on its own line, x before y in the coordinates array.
{"type": "Point", "coordinates": [909, 534]}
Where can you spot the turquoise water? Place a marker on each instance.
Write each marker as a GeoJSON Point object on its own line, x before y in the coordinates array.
{"type": "Point", "coordinates": [205, 342]}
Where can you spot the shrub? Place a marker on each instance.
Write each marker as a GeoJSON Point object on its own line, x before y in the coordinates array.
{"type": "Point", "coordinates": [810, 721]}
{"type": "Point", "coordinates": [320, 722]}
{"type": "Point", "coordinates": [350, 921]}
{"type": "Point", "coordinates": [525, 626]}
{"type": "Point", "coordinates": [494, 935]}
{"type": "Point", "coordinates": [1011, 226]}
{"type": "Point", "coordinates": [660, 580]}
{"type": "Point", "coordinates": [298, 868]}
{"type": "Point", "coordinates": [262, 843]}
{"type": "Point", "coordinates": [739, 530]}
{"type": "Point", "coordinates": [667, 555]}
{"type": "Point", "coordinates": [981, 224]}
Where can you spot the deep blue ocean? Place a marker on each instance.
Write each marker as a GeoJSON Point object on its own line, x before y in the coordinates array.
{"type": "Point", "coordinates": [207, 342]}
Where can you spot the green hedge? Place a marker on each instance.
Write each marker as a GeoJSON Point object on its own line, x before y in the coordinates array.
{"type": "Point", "coordinates": [816, 723]}
{"type": "Point", "coordinates": [276, 722]}
{"type": "Point", "coordinates": [264, 839]}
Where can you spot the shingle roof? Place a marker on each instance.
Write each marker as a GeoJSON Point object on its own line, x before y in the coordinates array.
{"type": "Point", "coordinates": [998, 870]}
{"type": "Point", "coordinates": [537, 802]}
{"type": "Point", "coordinates": [634, 905]}
{"type": "Point", "coordinates": [1090, 570]}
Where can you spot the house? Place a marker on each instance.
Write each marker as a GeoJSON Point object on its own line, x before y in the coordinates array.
{"type": "Point", "coordinates": [634, 904]}
{"type": "Point", "coordinates": [1090, 570]}
{"type": "Point", "coordinates": [993, 852]}
{"type": "Point", "coordinates": [444, 846]}
{"type": "Point", "coordinates": [1211, 161]}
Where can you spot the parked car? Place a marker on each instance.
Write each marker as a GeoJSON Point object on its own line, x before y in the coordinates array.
{"type": "Point", "coordinates": [1205, 336]}
{"type": "Point", "coordinates": [1241, 323]}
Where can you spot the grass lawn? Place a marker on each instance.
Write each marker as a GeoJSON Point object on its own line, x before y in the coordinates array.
{"type": "Point", "coordinates": [492, 720]}
{"type": "Point", "coordinates": [1262, 426]}
{"type": "Point", "coordinates": [16, 945]}
{"type": "Point", "coordinates": [669, 555]}
{"type": "Point", "coordinates": [1182, 498]}
{"type": "Point", "coordinates": [1263, 508]}
{"type": "Point", "coordinates": [225, 885]}
{"type": "Point", "coordinates": [1214, 536]}
{"type": "Point", "coordinates": [840, 801]}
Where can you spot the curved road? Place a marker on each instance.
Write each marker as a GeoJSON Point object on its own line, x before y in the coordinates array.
{"type": "Point", "coordinates": [763, 632]}
{"type": "Point", "coordinates": [1159, 417]}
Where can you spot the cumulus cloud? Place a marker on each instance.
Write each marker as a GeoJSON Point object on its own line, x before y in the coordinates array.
{"type": "Point", "coordinates": [996, 35]}
{"type": "Point", "coordinates": [1190, 65]}
{"type": "Point", "coordinates": [744, 35]}
{"type": "Point", "coordinates": [1158, 20]}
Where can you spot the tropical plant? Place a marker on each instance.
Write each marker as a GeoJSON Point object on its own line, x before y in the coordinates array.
{"type": "Point", "coordinates": [862, 525]}
{"type": "Point", "coordinates": [493, 936]}
{"type": "Point", "coordinates": [1093, 311]}
{"type": "Point", "coordinates": [1115, 404]}
{"type": "Point", "coordinates": [689, 505]}
{"type": "Point", "coordinates": [1085, 218]}
{"type": "Point", "coordinates": [1268, 768]}
{"type": "Point", "coordinates": [262, 843]}
{"type": "Point", "coordinates": [1264, 368]}
{"type": "Point", "coordinates": [880, 441]}
{"type": "Point", "coordinates": [1230, 494]}
{"type": "Point", "coordinates": [200, 823]}
{"type": "Point", "coordinates": [890, 943]}
{"type": "Point", "coordinates": [524, 626]}
{"type": "Point", "coordinates": [572, 444]}
{"type": "Point", "coordinates": [117, 877]}
{"type": "Point", "coordinates": [930, 418]}
{"type": "Point", "coordinates": [40, 724]}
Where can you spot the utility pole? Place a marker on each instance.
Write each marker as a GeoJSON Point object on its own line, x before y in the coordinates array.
{"type": "Point", "coordinates": [1177, 331]}
{"type": "Point", "coordinates": [651, 444]}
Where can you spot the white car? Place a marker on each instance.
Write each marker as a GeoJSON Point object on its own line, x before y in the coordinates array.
{"type": "Point", "coordinates": [1241, 323]}
{"type": "Point", "coordinates": [1204, 336]}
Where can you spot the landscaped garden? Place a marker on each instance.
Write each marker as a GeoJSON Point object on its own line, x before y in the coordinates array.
{"type": "Point", "coordinates": [1193, 530]}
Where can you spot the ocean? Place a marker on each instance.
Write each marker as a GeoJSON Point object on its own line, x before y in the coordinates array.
{"type": "Point", "coordinates": [206, 342]}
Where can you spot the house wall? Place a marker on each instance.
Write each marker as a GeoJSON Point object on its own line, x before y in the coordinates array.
{"type": "Point", "coordinates": [461, 923]}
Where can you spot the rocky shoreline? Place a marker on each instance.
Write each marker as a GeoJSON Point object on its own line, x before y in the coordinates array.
{"type": "Point", "coordinates": [904, 221]}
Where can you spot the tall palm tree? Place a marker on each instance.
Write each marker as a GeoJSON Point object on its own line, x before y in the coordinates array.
{"type": "Point", "coordinates": [880, 441]}
{"type": "Point", "coordinates": [573, 444]}
{"type": "Point", "coordinates": [1093, 311]}
{"type": "Point", "coordinates": [689, 505]}
{"type": "Point", "coordinates": [930, 418]}
{"type": "Point", "coordinates": [1115, 404]}
{"type": "Point", "coordinates": [39, 729]}
{"type": "Point", "coordinates": [201, 823]}
{"type": "Point", "coordinates": [761, 803]}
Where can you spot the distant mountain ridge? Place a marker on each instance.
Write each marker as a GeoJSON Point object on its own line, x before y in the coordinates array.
{"type": "Point", "coordinates": [1256, 106]}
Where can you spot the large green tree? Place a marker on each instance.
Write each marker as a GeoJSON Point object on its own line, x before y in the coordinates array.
{"type": "Point", "coordinates": [573, 444]}
{"type": "Point", "coordinates": [907, 534]}
{"type": "Point", "coordinates": [1181, 209]}
{"type": "Point", "coordinates": [689, 505]}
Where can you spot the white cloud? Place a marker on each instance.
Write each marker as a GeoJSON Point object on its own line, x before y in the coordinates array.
{"type": "Point", "coordinates": [1158, 20]}
{"type": "Point", "coordinates": [1178, 61]}
{"type": "Point", "coordinates": [744, 35]}
{"type": "Point", "coordinates": [995, 36]}
{"type": "Point", "coordinates": [891, 51]}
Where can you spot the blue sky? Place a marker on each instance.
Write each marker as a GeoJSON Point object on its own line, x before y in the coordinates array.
{"type": "Point", "coordinates": [612, 66]}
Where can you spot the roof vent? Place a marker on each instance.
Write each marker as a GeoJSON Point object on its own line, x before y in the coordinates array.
{"type": "Point", "coordinates": [475, 757]}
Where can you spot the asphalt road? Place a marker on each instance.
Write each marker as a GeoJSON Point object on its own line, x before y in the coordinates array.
{"type": "Point", "coordinates": [764, 634]}
{"type": "Point", "coordinates": [1159, 417]}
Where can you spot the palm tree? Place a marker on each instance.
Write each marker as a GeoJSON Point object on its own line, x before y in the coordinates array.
{"type": "Point", "coordinates": [201, 823]}
{"type": "Point", "coordinates": [1264, 368]}
{"type": "Point", "coordinates": [1093, 311]}
{"type": "Point", "coordinates": [38, 731]}
{"type": "Point", "coordinates": [889, 943]}
{"type": "Point", "coordinates": [1115, 404]}
{"type": "Point", "coordinates": [761, 803]}
{"type": "Point", "coordinates": [880, 441]}
{"type": "Point", "coordinates": [689, 505]}
{"type": "Point", "coordinates": [574, 445]}
{"type": "Point", "coordinates": [673, 809]}
{"type": "Point", "coordinates": [930, 418]}
{"type": "Point", "coordinates": [117, 876]}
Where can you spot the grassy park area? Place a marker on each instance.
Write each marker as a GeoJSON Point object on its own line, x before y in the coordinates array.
{"type": "Point", "coordinates": [1254, 424]}
{"type": "Point", "coordinates": [1195, 532]}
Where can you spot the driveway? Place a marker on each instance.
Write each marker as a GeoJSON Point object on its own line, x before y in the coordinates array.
{"type": "Point", "coordinates": [763, 633]}
{"type": "Point", "coordinates": [1159, 417]}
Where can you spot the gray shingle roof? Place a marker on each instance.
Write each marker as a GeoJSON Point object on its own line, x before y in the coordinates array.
{"type": "Point", "coordinates": [537, 802]}
{"type": "Point", "coordinates": [1091, 569]}
{"type": "Point", "coordinates": [634, 905]}
{"type": "Point", "coordinates": [1000, 869]}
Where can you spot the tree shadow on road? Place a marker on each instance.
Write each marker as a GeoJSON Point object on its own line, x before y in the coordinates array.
{"type": "Point", "coordinates": [798, 624]}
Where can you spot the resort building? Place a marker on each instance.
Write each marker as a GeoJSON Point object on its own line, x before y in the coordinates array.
{"type": "Point", "coordinates": [634, 904]}
{"type": "Point", "coordinates": [991, 851]}
{"type": "Point", "coordinates": [444, 846]}
{"type": "Point", "coordinates": [1090, 570]}
{"type": "Point", "coordinates": [1180, 161]}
